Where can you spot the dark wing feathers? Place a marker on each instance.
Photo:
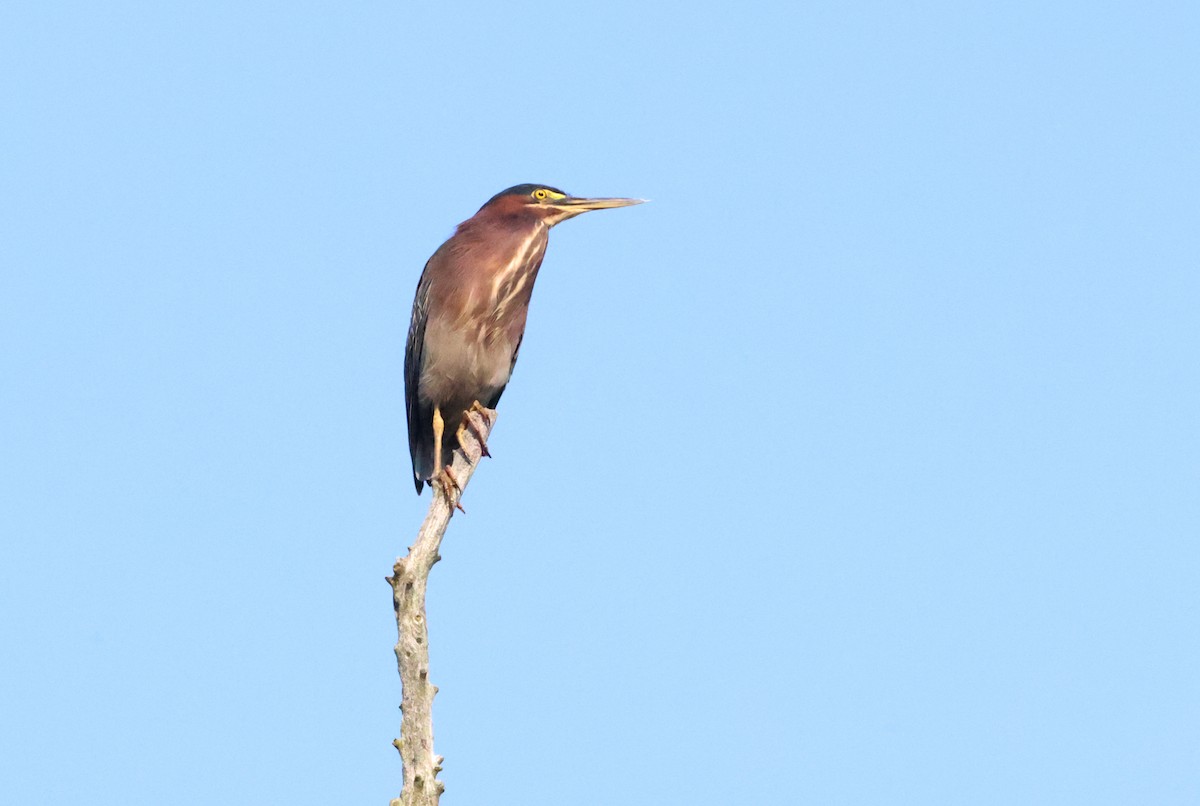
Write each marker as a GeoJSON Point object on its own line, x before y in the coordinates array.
{"type": "Point", "coordinates": [420, 422]}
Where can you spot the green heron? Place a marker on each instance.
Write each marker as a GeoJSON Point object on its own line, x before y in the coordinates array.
{"type": "Point", "coordinates": [469, 314]}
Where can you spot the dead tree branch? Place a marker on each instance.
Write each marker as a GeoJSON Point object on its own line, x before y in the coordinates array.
{"type": "Point", "coordinates": [409, 577]}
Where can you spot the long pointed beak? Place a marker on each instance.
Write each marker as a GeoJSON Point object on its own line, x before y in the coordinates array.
{"type": "Point", "coordinates": [574, 205]}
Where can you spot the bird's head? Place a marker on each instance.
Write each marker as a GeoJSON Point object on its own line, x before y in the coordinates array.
{"type": "Point", "coordinates": [549, 205]}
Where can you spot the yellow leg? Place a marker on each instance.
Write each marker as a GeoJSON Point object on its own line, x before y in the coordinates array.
{"type": "Point", "coordinates": [443, 476]}
{"type": "Point", "coordinates": [439, 425]}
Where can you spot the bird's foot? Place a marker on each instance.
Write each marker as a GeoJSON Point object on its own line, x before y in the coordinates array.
{"type": "Point", "coordinates": [474, 421]}
{"type": "Point", "coordinates": [449, 486]}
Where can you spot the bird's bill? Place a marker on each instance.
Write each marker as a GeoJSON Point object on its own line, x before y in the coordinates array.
{"type": "Point", "coordinates": [575, 205]}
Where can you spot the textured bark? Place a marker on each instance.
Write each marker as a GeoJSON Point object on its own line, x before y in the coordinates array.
{"type": "Point", "coordinates": [408, 580]}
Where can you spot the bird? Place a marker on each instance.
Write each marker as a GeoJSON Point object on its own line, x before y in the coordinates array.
{"type": "Point", "coordinates": [469, 312]}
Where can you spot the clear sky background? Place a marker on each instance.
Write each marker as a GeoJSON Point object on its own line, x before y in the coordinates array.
{"type": "Point", "coordinates": [862, 466]}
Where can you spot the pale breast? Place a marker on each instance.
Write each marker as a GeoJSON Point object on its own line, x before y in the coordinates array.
{"type": "Point", "coordinates": [463, 365]}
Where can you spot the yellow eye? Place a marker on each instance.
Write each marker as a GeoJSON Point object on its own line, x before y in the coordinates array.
{"type": "Point", "coordinates": [540, 194]}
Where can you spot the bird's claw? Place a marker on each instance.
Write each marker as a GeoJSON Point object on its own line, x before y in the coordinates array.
{"type": "Point", "coordinates": [474, 419]}
{"type": "Point", "coordinates": [450, 488]}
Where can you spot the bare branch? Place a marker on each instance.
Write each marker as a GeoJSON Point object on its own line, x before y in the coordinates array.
{"type": "Point", "coordinates": [408, 580]}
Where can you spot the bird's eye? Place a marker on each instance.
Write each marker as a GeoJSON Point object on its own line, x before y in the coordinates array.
{"type": "Point", "coordinates": [539, 194]}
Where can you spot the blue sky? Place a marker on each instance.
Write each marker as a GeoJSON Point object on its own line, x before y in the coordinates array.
{"type": "Point", "coordinates": [859, 467]}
